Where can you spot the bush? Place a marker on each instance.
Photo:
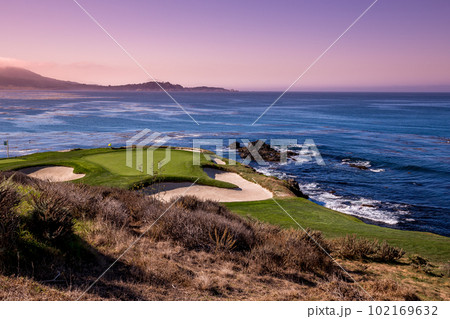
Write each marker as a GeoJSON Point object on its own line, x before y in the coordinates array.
{"type": "Point", "coordinates": [51, 217]}
{"type": "Point", "coordinates": [195, 228]}
{"type": "Point", "coordinates": [352, 247]}
{"type": "Point", "coordinates": [18, 178]}
{"type": "Point", "coordinates": [280, 250]}
{"type": "Point", "coordinates": [9, 220]}
{"type": "Point", "coordinates": [389, 253]}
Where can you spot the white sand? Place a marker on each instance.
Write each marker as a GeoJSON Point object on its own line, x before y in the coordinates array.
{"type": "Point", "coordinates": [189, 149]}
{"type": "Point", "coordinates": [218, 161]}
{"type": "Point", "coordinates": [246, 191]}
{"type": "Point", "coordinates": [52, 173]}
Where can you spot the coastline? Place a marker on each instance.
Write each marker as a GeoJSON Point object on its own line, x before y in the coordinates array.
{"type": "Point", "coordinates": [331, 223]}
{"type": "Point", "coordinates": [410, 193]}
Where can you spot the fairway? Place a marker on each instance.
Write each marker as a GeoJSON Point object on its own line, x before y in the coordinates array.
{"type": "Point", "coordinates": [335, 224]}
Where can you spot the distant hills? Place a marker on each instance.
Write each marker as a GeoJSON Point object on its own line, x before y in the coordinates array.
{"type": "Point", "coordinates": [13, 78]}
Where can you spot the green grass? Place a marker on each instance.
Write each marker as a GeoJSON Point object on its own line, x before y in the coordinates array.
{"type": "Point", "coordinates": [334, 224]}
{"type": "Point", "coordinates": [11, 160]}
{"type": "Point", "coordinates": [108, 167]}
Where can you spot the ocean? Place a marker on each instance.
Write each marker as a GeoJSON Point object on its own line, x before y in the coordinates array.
{"type": "Point", "coordinates": [386, 155]}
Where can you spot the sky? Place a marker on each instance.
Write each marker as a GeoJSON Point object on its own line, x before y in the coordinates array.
{"type": "Point", "coordinates": [399, 45]}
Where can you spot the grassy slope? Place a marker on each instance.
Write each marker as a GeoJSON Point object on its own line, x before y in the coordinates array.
{"type": "Point", "coordinates": [107, 167]}
{"type": "Point", "coordinates": [334, 224]}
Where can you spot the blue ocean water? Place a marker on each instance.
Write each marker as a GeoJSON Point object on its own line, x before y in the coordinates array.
{"type": "Point", "coordinates": [402, 140]}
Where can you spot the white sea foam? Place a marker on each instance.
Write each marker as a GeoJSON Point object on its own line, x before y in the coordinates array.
{"type": "Point", "coordinates": [272, 171]}
{"type": "Point", "coordinates": [268, 171]}
{"type": "Point", "coordinates": [302, 159]}
{"type": "Point", "coordinates": [359, 207]}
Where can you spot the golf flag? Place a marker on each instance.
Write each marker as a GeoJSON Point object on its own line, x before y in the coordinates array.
{"type": "Point", "coordinates": [109, 144]}
{"type": "Point", "coordinates": [5, 143]}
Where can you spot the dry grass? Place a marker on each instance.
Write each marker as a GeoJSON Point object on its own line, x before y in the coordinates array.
{"type": "Point", "coordinates": [65, 235]}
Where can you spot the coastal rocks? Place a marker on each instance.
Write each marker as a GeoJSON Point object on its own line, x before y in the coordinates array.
{"type": "Point", "coordinates": [269, 154]}
{"type": "Point", "coordinates": [294, 187]}
{"type": "Point", "coordinates": [235, 146]}
{"type": "Point", "coordinates": [362, 165]}
{"type": "Point", "coordinates": [264, 150]}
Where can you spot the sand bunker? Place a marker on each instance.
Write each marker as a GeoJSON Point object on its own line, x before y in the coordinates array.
{"type": "Point", "coordinates": [218, 161]}
{"type": "Point", "coordinates": [52, 173]}
{"type": "Point", "coordinates": [246, 191]}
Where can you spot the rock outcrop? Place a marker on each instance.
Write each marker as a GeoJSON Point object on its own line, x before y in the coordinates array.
{"type": "Point", "coordinates": [267, 152]}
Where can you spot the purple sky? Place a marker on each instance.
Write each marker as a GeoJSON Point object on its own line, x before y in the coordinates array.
{"type": "Point", "coordinates": [246, 45]}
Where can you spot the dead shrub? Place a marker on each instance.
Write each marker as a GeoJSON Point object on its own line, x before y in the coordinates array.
{"type": "Point", "coordinates": [51, 217]}
{"type": "Point", "coordinates": [352, 247]}
{"type": "Point", "coordinates": [193, 228]}
{"type": "Point", "coordinates": [389, 253]}
{"type": "Point", "coordinates": [18, 178]}
{"type": "Point", "coordinates": [192, 203]}
{"type": "Point", "coordinates": [9, 220]}
{"type": "Point", "coordinates": [83, 199]}
{"type": "Point", "coordinates": [113, 212]}
{"type": "Point", "coordinates": [287, 251]}
{"type": "Point", "coordinates": [191, 225]}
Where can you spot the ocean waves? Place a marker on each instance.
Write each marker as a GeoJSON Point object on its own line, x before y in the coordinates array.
{"type": "Point", "coordinates": [364, 208]}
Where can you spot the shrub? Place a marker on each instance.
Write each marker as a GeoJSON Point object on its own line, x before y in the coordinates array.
{"type": "Point", "coordinates": [18, 178]}
{"type": "Point", "coordinates": [9, 220]}
{"type": "Point", "coordinates": [389, 253]}
{"type": "Point", "coordinates": [192, 229]}
{"type": "Point", "coordinates": [352, 247]}
{"type": "Point", "coordinates": [290, 250]}
{"type": "Point", "coordinates": [191, 203]}
{"type": "Point", "coordinates": [51, 217]}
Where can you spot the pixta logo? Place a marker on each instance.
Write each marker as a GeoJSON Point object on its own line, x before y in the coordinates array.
{"type": "Point", "coordinates": [141, 147]}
